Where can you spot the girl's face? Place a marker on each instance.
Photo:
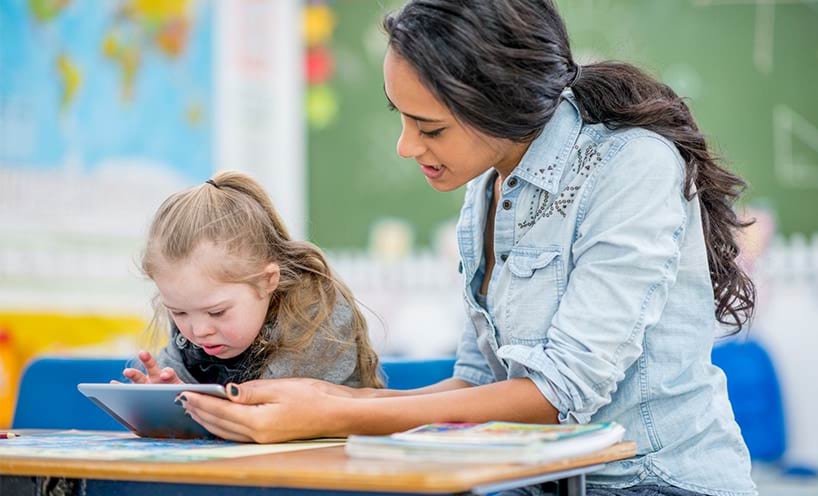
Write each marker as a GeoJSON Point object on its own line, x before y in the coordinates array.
{"type": "Point", "coordinates": [223, 318]}
{"type": "Point", "coordinates": [449, 154]}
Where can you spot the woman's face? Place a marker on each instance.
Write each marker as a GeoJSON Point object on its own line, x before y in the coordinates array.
{"type": "Point", "coordinates": [449, 154]}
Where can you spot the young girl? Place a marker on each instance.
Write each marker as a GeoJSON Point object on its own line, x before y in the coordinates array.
{"type": "Point", "coordinates": [245, 300]}
{"type": "Point", "coordinates": [597, 247]}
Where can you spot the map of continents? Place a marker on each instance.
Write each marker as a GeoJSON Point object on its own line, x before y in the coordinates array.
{"type": "Point", "coordinates": [87, 82]}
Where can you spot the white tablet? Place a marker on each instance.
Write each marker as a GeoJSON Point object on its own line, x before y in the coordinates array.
{"type": "Point", "coordinates": [149, 410]}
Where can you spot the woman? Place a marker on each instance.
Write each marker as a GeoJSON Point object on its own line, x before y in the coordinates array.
{"type": "Point", "coordinates": [597, 248]}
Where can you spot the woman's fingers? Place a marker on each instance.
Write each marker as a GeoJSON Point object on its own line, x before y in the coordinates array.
{"type": "Point", "coordinates": [265, 411]}
{"type": "Point", "coordinates": [253, 392]}
{"type": "Point", "coordinates": [230, 412]}
{"type": "Point", "coordinates": [226, 428]}
{"type": "Point", "coordinates": [232, 421]}
{"type": "Point", "coordinates": [217, 430]}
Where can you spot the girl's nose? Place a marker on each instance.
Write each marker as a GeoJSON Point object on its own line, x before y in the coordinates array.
{"type": "Point", "coordinates": [201, 329]}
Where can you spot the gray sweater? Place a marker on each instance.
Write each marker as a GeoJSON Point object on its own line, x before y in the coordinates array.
{"type": "Point", "coordinates": [331, 356]}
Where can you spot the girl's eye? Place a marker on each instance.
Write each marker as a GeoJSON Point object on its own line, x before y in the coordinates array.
{"type": "Point", "coordinates": [216, 314]}
{"type": "Point", "coordinates": [432, 134]}
{"type": "Point", "coordinates": [178, 314]}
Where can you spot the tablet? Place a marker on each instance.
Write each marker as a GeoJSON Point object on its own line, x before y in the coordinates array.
{"type": "Point", "coordinates": [149, 410]}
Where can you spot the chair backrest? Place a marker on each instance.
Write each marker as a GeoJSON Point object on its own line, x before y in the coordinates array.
{"type": "Point", "coordinates": [49, 399]}
{"type": "Point", "coordinates": [411, 374]}
{"type": "Point", "coordinates": [48, 396]}
{"type": "Point", "coordinates": [753, 388]}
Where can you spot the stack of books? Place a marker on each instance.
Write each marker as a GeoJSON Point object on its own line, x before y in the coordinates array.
{"type": "Point", "coordinates": [490, 442]}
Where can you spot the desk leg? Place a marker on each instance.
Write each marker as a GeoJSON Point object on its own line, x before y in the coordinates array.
{"type": "Point", "coordinates": [41, 486]}
{"type": "Point", "coordinates": [570, 482]}
{"type": "Point", "coordinates": [572, 486]}
{"type": "Point", "coordinates": [18, 485]}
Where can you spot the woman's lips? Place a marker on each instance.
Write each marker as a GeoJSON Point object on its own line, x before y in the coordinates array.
{"type": "Point", "coordinates": [432, 171]}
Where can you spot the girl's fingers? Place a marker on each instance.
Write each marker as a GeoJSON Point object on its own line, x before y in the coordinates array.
{"type": "Point", "coordinates": [136, 376]}
{"type": "Point", "coordinates": [168, 376]}
{"type": "Point", "coordinates": [150, 366]}
{"type": "Point", "coordinates": [155, 376]}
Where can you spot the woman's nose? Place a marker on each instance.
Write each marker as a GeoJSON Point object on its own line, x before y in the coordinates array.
{"type": "Point", "coordinates": [409, 143]}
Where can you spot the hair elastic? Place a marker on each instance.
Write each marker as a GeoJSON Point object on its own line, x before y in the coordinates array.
{"type": "Point", "coordinates": [576, 75]}
{"type": "Point", "coordinates": [213, 183]}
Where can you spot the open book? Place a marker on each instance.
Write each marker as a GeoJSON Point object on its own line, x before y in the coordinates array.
{"type": "Point", "coordinates": [491, 442]}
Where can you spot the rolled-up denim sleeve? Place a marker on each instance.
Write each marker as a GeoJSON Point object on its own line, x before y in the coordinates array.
{"type": "Point", "coordinates": [471, 365]}
{"type": "Point", "coordinates": [629, 228]}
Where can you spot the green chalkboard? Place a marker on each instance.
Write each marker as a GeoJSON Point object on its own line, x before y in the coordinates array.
{"type": "Point", "coordinates": [749, 70]}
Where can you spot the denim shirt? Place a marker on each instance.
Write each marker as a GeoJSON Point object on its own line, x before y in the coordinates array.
{"type": "Point", "coordinates": [601, 296]}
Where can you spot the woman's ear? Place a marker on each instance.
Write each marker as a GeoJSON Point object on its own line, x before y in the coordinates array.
{"type": "Point", "coordinates": [273, 276]}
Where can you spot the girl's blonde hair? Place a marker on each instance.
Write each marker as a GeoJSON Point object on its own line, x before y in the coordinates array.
{"type": "Point", "coordinates": [233, 211]}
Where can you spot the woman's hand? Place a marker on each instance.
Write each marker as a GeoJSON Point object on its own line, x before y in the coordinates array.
{"type": "Point", "coordinates": [342, 391]}
{"type": "Point", "coordinates": [272, 410]}
{"type": "Point", "coordinates": [155, 375]}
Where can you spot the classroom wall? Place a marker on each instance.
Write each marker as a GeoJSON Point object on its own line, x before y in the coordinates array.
{"type": "Point", "coordinates": [787, 325]}
{"type": "Point", "coordinates": [745, 67]}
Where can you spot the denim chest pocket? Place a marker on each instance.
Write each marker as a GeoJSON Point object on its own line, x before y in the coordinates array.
{"type": "Point", "coordinates": [533, 294]}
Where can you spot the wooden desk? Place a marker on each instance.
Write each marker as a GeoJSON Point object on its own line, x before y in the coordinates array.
{"type": "Point", "coordinates": [311, 472]}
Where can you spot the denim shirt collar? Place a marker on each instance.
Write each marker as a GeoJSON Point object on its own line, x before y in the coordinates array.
{"type": "Point", "coordinates": [544, 161]}
{"type": "Point", "coordinates": [542, 165]}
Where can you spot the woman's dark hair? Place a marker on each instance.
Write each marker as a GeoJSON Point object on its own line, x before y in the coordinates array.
{"type": "Point", "coordinates": [500, 67]}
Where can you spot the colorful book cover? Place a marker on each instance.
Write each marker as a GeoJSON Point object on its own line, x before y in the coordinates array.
{"type": "Point", "coordinates": [492, 442]}
{"type": "Point", "coordinates": [497, 432]}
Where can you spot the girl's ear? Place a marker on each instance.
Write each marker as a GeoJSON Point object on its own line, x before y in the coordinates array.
{"type": "Point", "coordinates": [273, 273]}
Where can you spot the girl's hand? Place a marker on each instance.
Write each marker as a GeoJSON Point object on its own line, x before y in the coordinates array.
{"type": "Point", "coordinates": [269, 411]}
{"type": "Point", "coordinates": [155, 375]}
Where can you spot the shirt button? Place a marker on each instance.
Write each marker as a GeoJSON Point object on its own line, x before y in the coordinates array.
{"type": "Point", "coordinates": [503, 257]}
{"type": "Point", "coordinates": [512, 182]}
{"type": "Point", "coordinates": [507, 204]}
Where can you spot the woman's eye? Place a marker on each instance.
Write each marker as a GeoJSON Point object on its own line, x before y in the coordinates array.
{"type": "Point", "coordinates": [178, 314]}
{"type": "Point", "coordinates": [216, 314]}
{"type": "Point", "coordinates": [432, 134]}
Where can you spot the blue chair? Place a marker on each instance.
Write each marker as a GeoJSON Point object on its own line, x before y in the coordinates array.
{"type": "Point", "coordinates": [49, 399]}
{"type": "Point", "coordinates": [411, 374]}
{"type": "Point", "coordinates": [753, 388]}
